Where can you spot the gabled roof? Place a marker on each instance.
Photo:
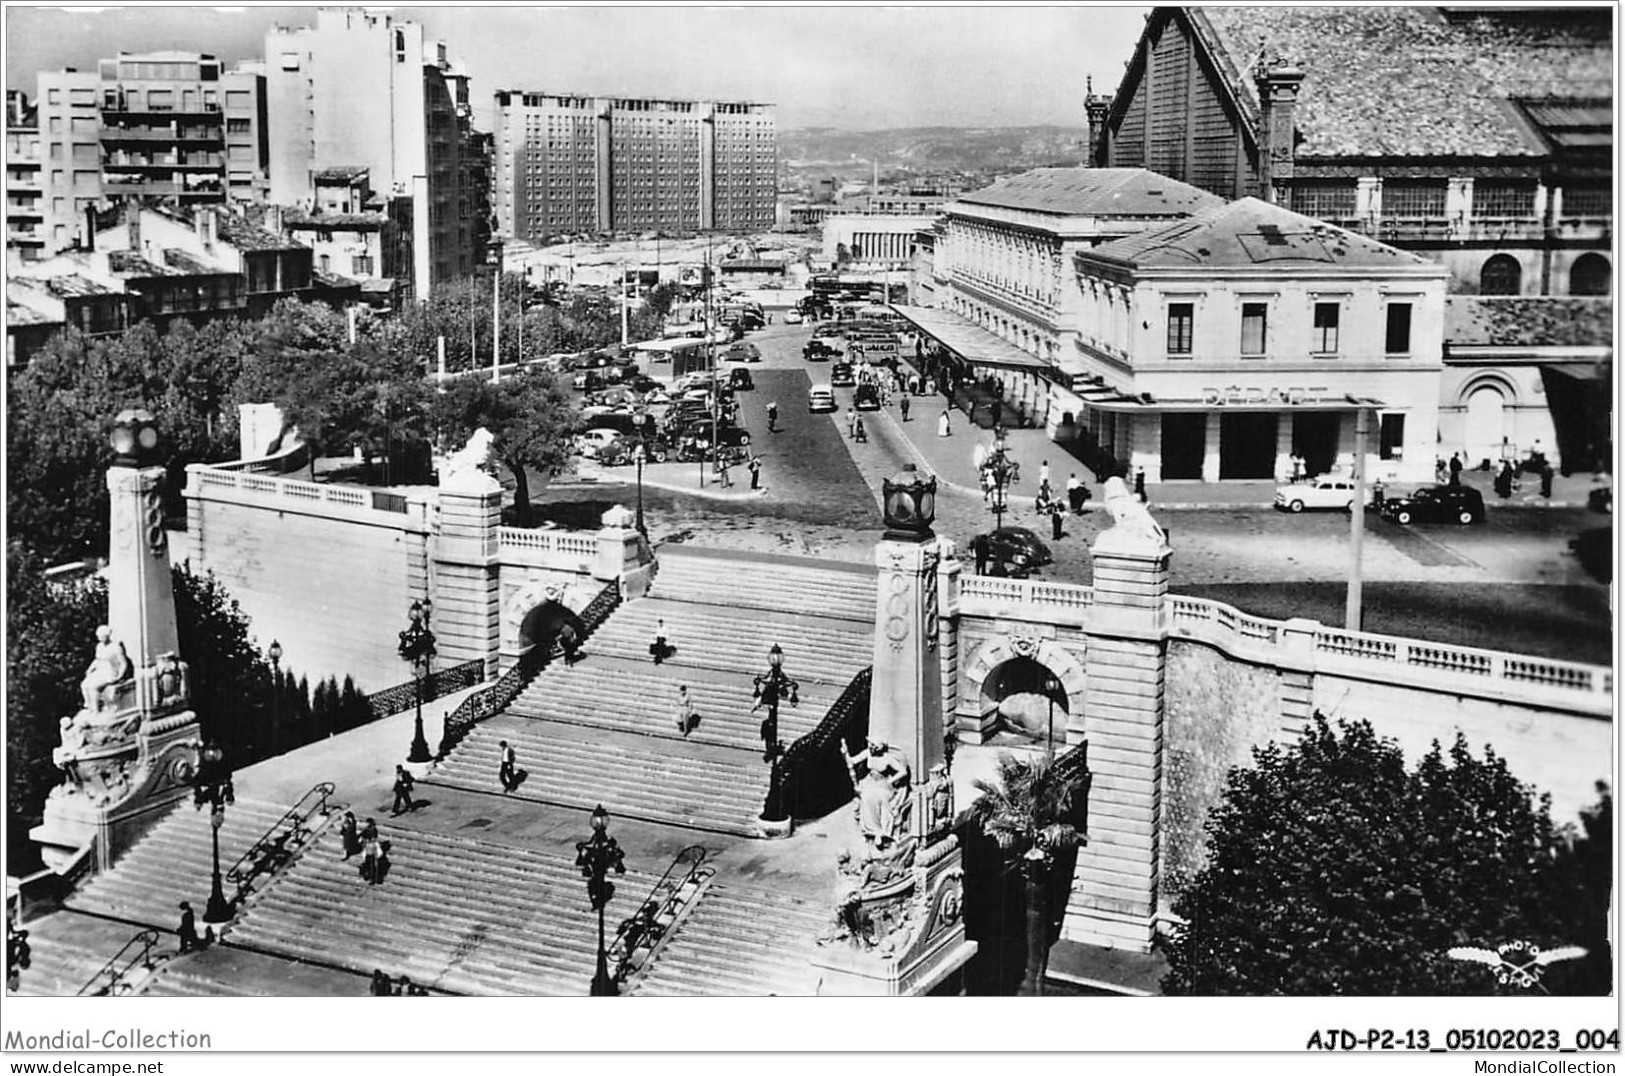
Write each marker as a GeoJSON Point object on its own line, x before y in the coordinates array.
{"type": "Point", "coordinates": [1249, 233]}
{"type": "Point", "coordinates": [1528, 321]}
{"type": "Point", "coordinates": [1406, 81]}
{"type": "Point", "coordinates": [1094, 192]}
{"type": "Point", "coordinates": [66, 285]}
{"type": "Point", "coordinates": [19, 316]}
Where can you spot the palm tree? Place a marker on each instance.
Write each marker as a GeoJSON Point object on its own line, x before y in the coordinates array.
{"type": "Point", "coordinates": [1028, 813]}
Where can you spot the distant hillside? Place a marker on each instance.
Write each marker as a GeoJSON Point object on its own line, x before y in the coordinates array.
{"type": "Point", "coordinates": [931, 149]}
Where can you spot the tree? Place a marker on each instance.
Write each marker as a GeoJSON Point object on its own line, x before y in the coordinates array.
{"type": "Point", "coordinates": [528, 414]}
{"type": "Point", "coordinates": [1028, 813]}
{"type": "Point", "coordinates": [1333, 870]}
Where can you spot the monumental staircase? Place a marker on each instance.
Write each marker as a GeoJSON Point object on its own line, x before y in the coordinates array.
{"type": "Point", "coordinates": [605, 730]}
{"type": "Point", "coordinates": [739, 941]}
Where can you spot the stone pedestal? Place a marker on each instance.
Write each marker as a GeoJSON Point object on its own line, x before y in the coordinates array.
{"type": "Point", "coordinates": [897, 925]}
{"type": "Point", "coordinates": [464, 571]}
{"type": "Point", "coordinates": [129, 752]}
{"type": "Point", "coordinates": [1114, 899]}
{"type": "Point", "coordinates": [623, 554]}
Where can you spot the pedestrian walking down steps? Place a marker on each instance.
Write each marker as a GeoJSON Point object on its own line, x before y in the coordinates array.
{"type": "Point", "coordinates": [685, 711]}
{"type": "Point", "coordinates": [660, 649]}
{"type": "Point", "coordinates": [403, 791]}
{"type": "Point", "coordinates": [507, 766]}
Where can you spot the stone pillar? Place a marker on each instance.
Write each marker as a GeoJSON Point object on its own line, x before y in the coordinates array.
{"type": "Point", "coordinates": [1278, 85]}
{"type": "Point", "coordinates": [1114, 899]}
{"type": "Point", "coordinates": [128, 753]}
{"type": "Point", "coordinates": [464, 571]}
{"type": "Point", "coordinates": [948, 571]}
{"type": "Point", "coordinates": [1210, 451]}
{"type": "Point", "coordinates": [897, 925]}
{"type": "Point", "coordinates": [623, 554]}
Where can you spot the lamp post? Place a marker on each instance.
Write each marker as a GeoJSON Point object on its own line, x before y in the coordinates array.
{"type": "Point", "coordinates": [638, 456]}
{"type": "Point", "coordinates": [771, 687]}
{"type": "Point", "coordinates": [597, 856]}
{"type": "Point", "coordinates": [211, 784]}
{"type": "Point", "coordinates": [417, 647]}
{"type": "Point", "coordinates": [1051, 686]}
{"type": "Point", "coordinates": [1002, 471]}
{"type": "Point", "coordinates": [275, 654]}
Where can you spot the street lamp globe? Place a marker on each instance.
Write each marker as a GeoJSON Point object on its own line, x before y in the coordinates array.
{"type": "Point", "coordinates": [134, 437]}
{"type": "Point", "coordinates": [275, 652]}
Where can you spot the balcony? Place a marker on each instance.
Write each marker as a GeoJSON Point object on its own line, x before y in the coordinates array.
{"type": "Point", "coordinates": [211, 114]}
{"type": "Point", "coordinates": [120, 135]}
{"type": "Point", "coordinates": [207, 164]}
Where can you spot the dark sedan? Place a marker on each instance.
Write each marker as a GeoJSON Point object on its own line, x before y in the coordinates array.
{"type": "Point", "coordinates": [818, 351]}
{"type": "Point", "coordinates": [1012, 551]}
{"type": "Point", "coordinates": [840, 375]}
{"type": "Point", "coordinates": [866, 398]}
{"type": "Point", "coordinates": [1436, 504]}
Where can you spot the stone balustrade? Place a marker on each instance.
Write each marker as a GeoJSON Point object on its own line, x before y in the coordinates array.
{"type": "Point", "coordinates": [354, 503]}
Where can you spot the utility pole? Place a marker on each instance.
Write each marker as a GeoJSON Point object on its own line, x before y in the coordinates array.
{"type": "Point", "coordinates": [624, 334]}
{"type": "Point", "coordinates": [1351, 615]}
{"type": "Point", "coordinates": [440, 354]}
{"type": "Point", "coordinates": [496, 326]}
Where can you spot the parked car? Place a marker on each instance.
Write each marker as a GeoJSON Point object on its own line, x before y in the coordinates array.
{"type": "Point", "coordinates": [818, 351]}
{"type": "Point", "coordinates": [1013, 551]}
{"type": "Point", "coordinates": [866, 398]}
{"type": "Point", "coordinates": [1436, 504]}
{"type": "Point", "coordinates": [590, 443]}
{"type": "Point", "coordinates": [740, 380]}
{"type": "Point", "coordinates": [1327, 491]}
{"type": "Point", "coordinates": [840, 375]}
{"type": "Point", "coordinates": [820, 398]}
{"type": "Point", "coordinates": [590, 381]}
{"type": "Point", "coordinates": [1601, 499]}
{"type": "Point", "coordinates": [831, 332]}
{"type": "Point", "coordinates": [622, 422]}
{"type": "Point", "coordinates": [619, 453]}
{"type": "Point", "coordinates": [742, 352]}
{"type": "Point", "coordinates": [644, 384]}
{"type": "Point", "coordinates": [792, 317]}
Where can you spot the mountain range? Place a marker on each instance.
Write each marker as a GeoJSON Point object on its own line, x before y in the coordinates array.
{"type": "Point", "coordinates": [829, 150]}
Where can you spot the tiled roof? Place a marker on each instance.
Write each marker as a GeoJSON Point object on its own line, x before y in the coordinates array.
{"type": "Point", "coordinates": [342, 174]}
{"type": "Point", "coordinates": [1248, 233]}
{"type": "Point", "coordinates": [68, 285]}
{"type": "Point", "coordinates": [361, 222]}
{"type": "Point", "coordinates": [1528, 321]}
{"type": "Point", "coordinates": [18, 316]}
{"type": "Point", "coordinates": [235, 230]}
{"type": "Point", "coordinates": [127, 263]}
{"type": "Point", "coordinates": [183, 263]}
{"type": "Point", "coordinates": [1411, 81]}
{"type": "Point", "coordinates": [1094, 192]}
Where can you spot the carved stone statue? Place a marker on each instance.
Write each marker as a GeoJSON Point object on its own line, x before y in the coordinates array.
{"type": "Point", "coordinates": [883, 797]}
{"type": "Point", "coordinates": [1132, 525]}
{"type": "Point", "coordinates": [110, 666]}
{"type": "Point", "coordinates": [466, 466]}
{"type": "Point", "coordinates": [939, 798]}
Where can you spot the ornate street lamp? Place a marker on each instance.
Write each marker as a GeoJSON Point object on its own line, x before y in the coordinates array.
{"type": "Point", "coordinates": [134, 438]}
{"type": "Point", "coordinates": [275, 654]}
{"type": "Point", "coordinates": [597, 856]}
{"type": "Point", "coordinates": [771, 688]}
{"type": "Point", "coordinates": [417, 647]}
{"type": "Point", "coordinates": [1001, 472]}
{"type": "Point", "coordinates": [211, 784]}
{"type": "Point", "coordinates": [1051, 687]}
{"type": "Point", "coordinates": [638, 456]}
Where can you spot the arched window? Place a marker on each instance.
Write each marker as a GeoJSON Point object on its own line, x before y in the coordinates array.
{"type": "Point", "coordinates": [1501, 275]}
{"type": "Point", "coordinates": [1591, 275]}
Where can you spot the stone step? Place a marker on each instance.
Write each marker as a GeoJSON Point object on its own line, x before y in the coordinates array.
{"type": "Point", "coordinates": [68, 948]}
{"type": "Point", "coordinates": [661, 780]}
{"type": "Point", "coordinates": [748, 584]}
{"type": "Point", "coordinates": [739, 941]}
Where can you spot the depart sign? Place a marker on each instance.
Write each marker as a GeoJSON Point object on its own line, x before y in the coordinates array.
{"type": "Point", "coordinates": [1254, 396]}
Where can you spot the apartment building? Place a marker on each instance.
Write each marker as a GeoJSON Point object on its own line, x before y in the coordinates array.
{"type": "Point", "coordinates": [569, 164]}
{"type": "Point", "coordinates": [363, 89]}
{"type": "Point", "coordinates": [25, 195]}
{"type": "Point", "coordinates": [173, 125]}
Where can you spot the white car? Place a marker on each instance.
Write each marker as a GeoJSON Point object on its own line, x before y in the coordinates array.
{"type": "Point", "coordinates": [592, 442]}
{"type": "Point", "coordinates": [820, 398]}
{"type": "Point", "coordinates": [1327, 491]}
{"type": "Point", "coordinates": [792, 317]}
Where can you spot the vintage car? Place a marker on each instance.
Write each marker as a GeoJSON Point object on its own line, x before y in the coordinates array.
{"type": "Point", "coordinates": [1436, 504]}
{"type": "Point", "coordinates": [866, 397]}
{"type": "Point", "coordinates": [820, 398]}
{"type": "Point", "coordinates": [1329, 491]}
{"type": "Point", "coordinates": [1012, 551]}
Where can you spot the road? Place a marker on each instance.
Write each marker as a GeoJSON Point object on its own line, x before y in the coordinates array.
{"type": "Point", "coordinates": [1509, 583]}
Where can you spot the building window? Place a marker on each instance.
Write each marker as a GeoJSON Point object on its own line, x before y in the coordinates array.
{"type": "Point", "coordinates": [1253, 326]}
{"type": "Point", "coordinates": [1501, 275]}
{"type": "Point", "coordinates": [1181, 320]}
{"type": "Point", "coordinates": [1590, 201]}
{"type": "Point", "coordinates": [1503, 199]}
{"type": "Point", "coordinates": [1327, 316]}
{"type": "Point", "coordinates": [1399, 329]}
{"type": "Point", "coordinates": [1591, 275]}
{"type": "Point", "coordinates": [1392, 437]}
{"type": "Point", "coordinates": [1413, 199]}
{"type": "Point", "coordinates": [1324, 200]}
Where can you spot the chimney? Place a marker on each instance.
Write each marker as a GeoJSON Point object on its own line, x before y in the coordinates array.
{"type": "Point", "coordinates": [1097, 109]}
{"type": "Point", "coordinates": [1278, 85]}
{"type": "Point", "coordinates": [90, 227]}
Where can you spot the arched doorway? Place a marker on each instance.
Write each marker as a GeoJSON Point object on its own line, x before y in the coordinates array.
{"type": "Point", "coordinates": [1030, 701]}
{"type": "Point", "coordinates": [541, 625]}
{"type": "Point", "coordinates": [1486, 424]}
{"type": "Point", "coordinates": [1501, 275]}
{"type": "Point", "coordinates": [1591, 275]}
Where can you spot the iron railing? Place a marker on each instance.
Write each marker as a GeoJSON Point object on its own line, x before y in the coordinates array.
{"type": "Point", "coordinates": [110, 976]}
{"type": "Point", "coordinates": [640, 933]}
{"type": "Point", "coordinates": [500, 695]}
{"type": "Point", "coordinates": [277, 845]}
{"type": "Point", "coordinates": [447, 681]}
{"type": "Point", "coordinates": [813, 776]}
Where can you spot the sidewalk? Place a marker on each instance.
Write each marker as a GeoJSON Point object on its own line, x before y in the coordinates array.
{"type": "Point", "coordinates": [952, 460]}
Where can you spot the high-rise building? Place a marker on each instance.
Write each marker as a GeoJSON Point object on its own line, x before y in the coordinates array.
{"type": "Point", "coordinates": [567, 164]}
{"type": "Point", "coordinates": [25, 198]}
{"type": "Point", "coordinates": [361, 89]}
{"type": "Point", "coordinates": [167, 125]}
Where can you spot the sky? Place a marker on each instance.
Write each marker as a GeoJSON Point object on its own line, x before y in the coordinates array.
{"type": "Point", "coordinates": [853, 66]}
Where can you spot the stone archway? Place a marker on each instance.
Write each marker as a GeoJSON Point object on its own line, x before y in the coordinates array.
{"type": "Point", "coordinates": [533, 613]}
{"type": "Point", "coordinates": [1008, 661]}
